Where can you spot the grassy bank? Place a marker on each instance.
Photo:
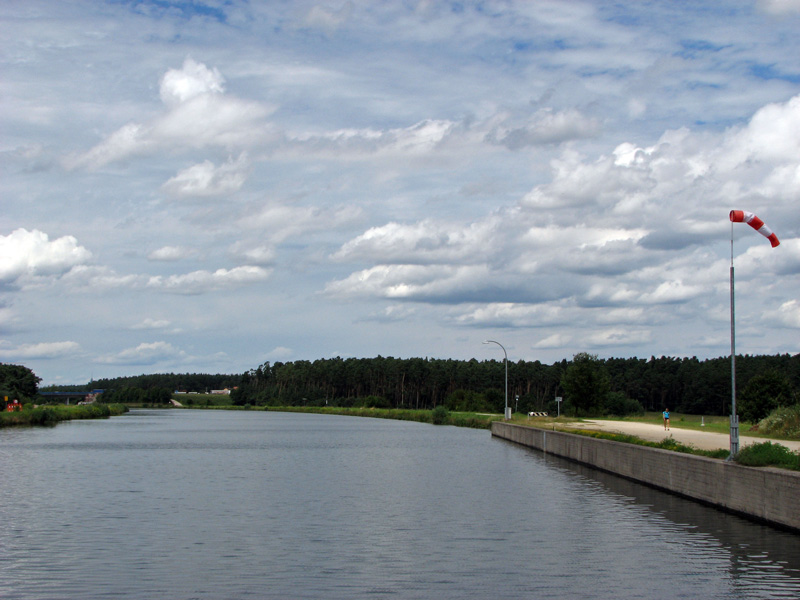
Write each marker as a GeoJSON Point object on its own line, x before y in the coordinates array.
{"type": "Point", "coordinates": [51, 415]}
{"type": "Point", "coordinates": [665, 444]}
{"type": "Point", "coordinates": [437, 417]}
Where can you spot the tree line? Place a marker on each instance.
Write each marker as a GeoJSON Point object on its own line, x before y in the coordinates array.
{"type": "Point", "coordinates": [588, 384]}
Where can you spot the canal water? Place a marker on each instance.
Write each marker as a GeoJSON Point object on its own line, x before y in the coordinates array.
{"type": "Point", "coordinates": [186, 504]}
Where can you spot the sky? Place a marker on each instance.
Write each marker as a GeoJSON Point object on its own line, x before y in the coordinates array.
{"type": "Point", "coordinates": [200, 187]}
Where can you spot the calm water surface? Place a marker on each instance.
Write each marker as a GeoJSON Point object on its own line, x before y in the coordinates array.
{"type": "Point", "coordinates": [201, 504]}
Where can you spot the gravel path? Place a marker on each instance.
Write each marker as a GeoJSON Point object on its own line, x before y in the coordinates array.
{"type": "Point", "coordinates": [703, 440]}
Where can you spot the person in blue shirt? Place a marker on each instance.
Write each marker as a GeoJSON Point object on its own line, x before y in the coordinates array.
{"type": "Point", "coordinates": [666, 419]}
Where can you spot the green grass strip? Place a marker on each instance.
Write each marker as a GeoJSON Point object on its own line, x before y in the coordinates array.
{"type": "Point", "coordinates": [51, 415]}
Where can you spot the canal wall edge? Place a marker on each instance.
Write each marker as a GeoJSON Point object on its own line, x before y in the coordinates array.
{"type": "Point", "coordinates": [766, 494]}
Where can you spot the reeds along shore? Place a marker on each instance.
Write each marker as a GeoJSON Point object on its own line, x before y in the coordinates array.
{"type": "Point", "coordinates": [51, 415]}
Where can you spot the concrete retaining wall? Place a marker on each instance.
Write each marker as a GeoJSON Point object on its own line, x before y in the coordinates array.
{"type": "Point", "coordinates": [770, 495]}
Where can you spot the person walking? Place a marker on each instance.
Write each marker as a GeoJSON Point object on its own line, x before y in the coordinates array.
{"type": "Point", "coordinates": [666, 419]}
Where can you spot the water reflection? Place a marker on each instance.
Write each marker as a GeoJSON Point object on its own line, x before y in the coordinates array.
{"type": "Point", "coordinates": [762, 560]}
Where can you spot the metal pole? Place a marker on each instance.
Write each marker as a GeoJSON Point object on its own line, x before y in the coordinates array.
{"type": "Point", "coordinates": [505, 411]}
{"type": "Point", "coordinates": [734, 416]}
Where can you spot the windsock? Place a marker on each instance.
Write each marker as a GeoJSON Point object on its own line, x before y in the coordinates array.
{"type": "Point", "coordinates": [742, 216]}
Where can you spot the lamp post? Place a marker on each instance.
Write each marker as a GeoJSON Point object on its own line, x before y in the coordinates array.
{"type": "Point", "coordinates": [505, 413]}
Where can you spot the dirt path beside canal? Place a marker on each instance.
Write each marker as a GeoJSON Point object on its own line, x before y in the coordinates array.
{"type": "Point", "coordinates": [703, 440]}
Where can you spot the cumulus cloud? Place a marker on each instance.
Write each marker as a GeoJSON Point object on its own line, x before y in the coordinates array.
{"type": "Point", "coordinates": [198, 282]}
{"type": "Point", "coordinates": [170, 253]}
{"type": "Point", "coordinates": [545, 127]}
{"type": "Point", "coordinates": [101, 278]}
{"type": "Point", "coordinates": [596, 185]}
{"type": "Point", "coordinates": [391, 314]}
{"type": "Point", "coordinates": [150, 323]}
{"type": "Point", "coordinates": [253, 254]}
{"type": "Point", "coordinates": [280, 222]}
{"type": "Point", "coordinates": [439, 283]}
{"type": "Point", "coordinates": [280, 353]}
{"type": "Point", "coordinates": [148, 353]}
{"type": "Point", "coordinates": [422, 242]}
{"type": "Point", "coordinates": [25, 254]}
{"type": "Point", "coordinates": [616, 337]}
{"type": "Point", "coordinates": [556, 340]}
{"type": "Point", "coordinates": [614, 244]}
{"type": "Point", "coordinates": [205, 179]}
{"type": "Point", "coordinates": [510, 314]}
{"type": "Point", "coordinates": [41, 350]}
{"type": "Point", "coordinates": [194, 79]}
{"type": "Point", "coordinates": [411, 281]}
{"type": "Point", "coordinates": [772, 138]}
{"type": "Point", "coordinates": [199, 114]}
{"type": "Point", "coordinates": [787, 315]}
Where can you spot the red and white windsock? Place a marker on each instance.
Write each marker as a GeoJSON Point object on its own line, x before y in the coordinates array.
{"type": "Point", "coordinates": [742, 216]}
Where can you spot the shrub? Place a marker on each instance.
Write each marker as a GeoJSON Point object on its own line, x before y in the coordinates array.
{"type": "Point", "coordinates": [768, 454]}
{"type": "Point", "coordinates": [618, 404]}
{"type": "Point", "coordinates": [439, 415]}
{"type": "Point", "coordinates": [371, 402]}
{"type": "Point", "coordinates": [784, 422]}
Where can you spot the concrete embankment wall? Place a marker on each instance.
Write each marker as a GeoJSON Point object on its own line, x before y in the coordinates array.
{"type": "Point", "coordinates": [770, 495]}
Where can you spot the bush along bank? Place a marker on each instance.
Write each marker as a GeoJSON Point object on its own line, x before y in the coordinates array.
{"type": "Point", "coordinates": [51, 415]}
{"type": "Point", "coordinates": [768, 454]}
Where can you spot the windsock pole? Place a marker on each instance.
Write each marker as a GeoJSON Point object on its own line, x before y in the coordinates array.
{"type": "Point", "coordinates": [741, 216]}
{"type": "Point", "coordinates": [734, 416]}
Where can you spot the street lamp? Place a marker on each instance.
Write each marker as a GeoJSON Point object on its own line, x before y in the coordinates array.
{"type": "Point", "coordinates": [505, 414]}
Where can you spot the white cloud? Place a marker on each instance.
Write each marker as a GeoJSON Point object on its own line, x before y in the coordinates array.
{"type": "Point", "coordinates": [616, 337]}
{"type": "Point", "coordinates": [556, 340]}
{"type": "Point", "coordinates": [170, 253]}
{"type": "Point", "coordinates": [199, 115]}
{"type": "Point", "coordinates": [26, 254]}
{"type": "Point", "coordinates": [601, 184]}
{"type": "Point", "coordinates": [150, 323]}
{"type": "Point", "coordinates": [771, 137]}
{"type": "Point", "coordinates": [253, 255]}
{"type": "Point", "coordinates": [423, 242]}
{"type": "Point", "coordinates": [392, 314]}
{"type": "Point", "coordinates": [279, 222]}
{"type": "Point", "coordinates": [99, 278]}
{"type": "Point", "coordinates": [206, 179]}
{"type": "Point", "coordinates": [545, 127]}
{"type": "Point", "coordinates": [510, 314]}
{"type": "Point", "coordinates": [40, 350]}
{"type": "Point", "coordinates": [198, 282]}
{"type": "Point", "coordinates": [280, 353]}
{"type": "Point", "coordinates": [146, 354]}
{"type": "Point", "coordinates": [787, 315]}
{"type": "Point", "coordinates": [192, 80]}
